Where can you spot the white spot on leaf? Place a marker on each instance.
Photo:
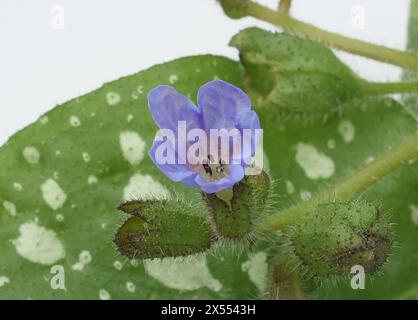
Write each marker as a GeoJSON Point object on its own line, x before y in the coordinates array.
{"type": "Point", "coordinates": [84, 258]}
{"type": "Point", "coordinates": [134, 95]}
{"type": "Point", "coordinates": [331, 144]}
{"type": "Point", "coordinates": [38, 244]}
{"type": "Point", "coordinates": [305, 195]}
{"type": "Point", "coordinates": [53, 195]}
{"type": "Point", "coordinates": [134, 263]}
{"type": "Point", "coordinates": [17, 186]}
{"type": "Point", "coordinates": [104, 294]}
{"type": "Point", "coordinates": [3, 281]}
{"type": "Point", "coordinates": [144, 187]}
{"type": "Point", "coordinates": [112, 98]}
{"type": "Point", "coordinates": [257, 269]}
{"type": "Point", "coordinates": [130, 286]}
{"type": "Point", "coordinates": [369, 160]}
{"type": "Point", "coordinates": [43, 120]}
{"type": "Point", "coordinates": [92, 180]}
{"type": "Point", "coordinates": [31, 155]}
{"type": "Point", "coordinates": [347, 130]}
{"type": "Point", "coordinates": [118, 265]}
{"type": "Point", "coordinates": [133, 147]}
{"type": "Point", "coordinates": [173, 79]}
{"type": "Point", "coordinates": [180, 274]}
{"type": "Point", "coordinates": [86, 157]}
{"type": "Point", "coordinates": [75, 121]}
{"type": "Point", "coordinates": [315, 164]}
{"type": "Point", "coordinates": [290, 187]}
{"type": "Point", "coordinates": [414, 214]}
{"type": "Point", "coordinates": [10, 207]}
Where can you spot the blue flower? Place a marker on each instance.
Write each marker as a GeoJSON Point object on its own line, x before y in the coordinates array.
{"type": "Point", "coordinates": [221, 105]}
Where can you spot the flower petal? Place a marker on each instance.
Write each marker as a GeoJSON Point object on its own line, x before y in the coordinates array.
{"type": "Point", "coordinates": [221, 104]}
{"type": "Point", "coordinates": [175, 172]}
{"type": "Point", "coordinates": [236, 174]}
{"type": "Point", "coordinates": [249, 120]}
{"type": "Point", "coordinates": [168, 107]}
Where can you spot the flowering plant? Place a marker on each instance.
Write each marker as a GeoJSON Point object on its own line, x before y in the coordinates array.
{"type": "Point", "coordinates": [281, 173]}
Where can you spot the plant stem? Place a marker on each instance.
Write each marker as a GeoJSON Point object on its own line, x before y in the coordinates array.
{"type": "Point", "coordinates": [407, 60]}
{"type": "Point", "coordinates": [350, 186]}
{"type": "Point", "coordinates": [284, 6]}
{"type": "Point", "coordinates": [380, 88]}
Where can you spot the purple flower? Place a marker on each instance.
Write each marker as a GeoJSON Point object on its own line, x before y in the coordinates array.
{"type": "Point", "coordinates": [199, 161]}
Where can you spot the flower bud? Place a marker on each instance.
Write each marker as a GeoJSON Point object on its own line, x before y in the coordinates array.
{"type": "Point", "coordinates": [235, 217]}
{"type": "Point", "coordinates": [162, 229]}
{"type": "Point", "coordinates": [293, 76]}
{"type": "Point", "coordinates": [235, 9]}
{"type": "Point", "coordinates": [333, 237]}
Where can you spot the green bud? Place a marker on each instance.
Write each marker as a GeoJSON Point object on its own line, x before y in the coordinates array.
{"type": "Point", "coordinates": [235, 9]}
{"type": "Point", "coordinates": [162, 229]}
{"type": "Point", "coordinates": [294, 76]}
{"type": "Point", "coordinates": [235, 219]}
{"type": "Point", "coordinates": [333, 237]}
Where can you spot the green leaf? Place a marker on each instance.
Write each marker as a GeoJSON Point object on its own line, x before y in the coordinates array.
{"type": "Point", "coordinates": [63, 177]}
{"type": "Point", "coordinates": [292, 76]}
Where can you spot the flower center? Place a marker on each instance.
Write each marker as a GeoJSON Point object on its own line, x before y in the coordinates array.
{"type": "Point", "coordinates": [212, 171]}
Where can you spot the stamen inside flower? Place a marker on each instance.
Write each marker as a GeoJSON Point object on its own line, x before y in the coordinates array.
{"type": "Point", "coordinates": [212, 171]}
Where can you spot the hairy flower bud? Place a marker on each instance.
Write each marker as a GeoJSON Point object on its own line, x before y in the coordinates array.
{"type": "Point", "coordinates": [162, 229]}
{"type": "Point", "coordinates": [336, 236]}
{"type": "Point", "coordinates": [235, 218]}
{"type": "Point", "coordinates": [293, 76]}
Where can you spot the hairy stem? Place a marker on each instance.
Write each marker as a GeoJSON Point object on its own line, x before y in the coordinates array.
{"type": "Point", "coordinates": [350, 186]}
{"type": "Point", "coordinates": [284, 6]}
{"type": "Point", "coordinates": [407, 60]}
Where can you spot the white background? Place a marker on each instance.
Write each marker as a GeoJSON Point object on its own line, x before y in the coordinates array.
{"type": "Point", "coordinates": [102, 40]}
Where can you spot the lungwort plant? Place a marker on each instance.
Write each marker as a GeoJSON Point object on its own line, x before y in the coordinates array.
{"type": "Point", "coordinates": [274, 176]}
